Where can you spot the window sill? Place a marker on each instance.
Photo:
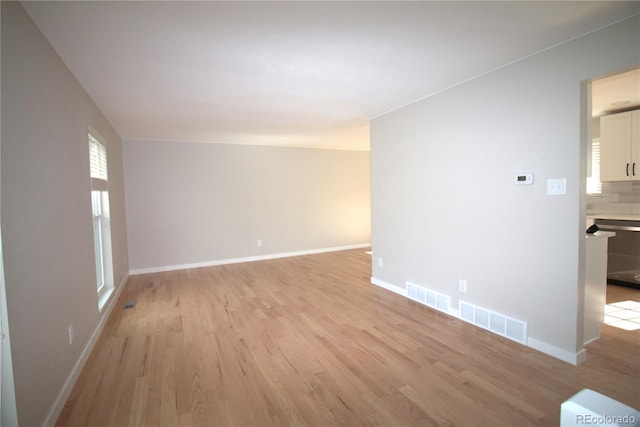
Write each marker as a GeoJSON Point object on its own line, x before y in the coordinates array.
{"type": "Point", "coordinates": [104, 298]}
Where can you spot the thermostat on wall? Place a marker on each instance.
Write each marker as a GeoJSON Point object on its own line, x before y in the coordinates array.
{"type": "Point", "coordinates": [523, 179]}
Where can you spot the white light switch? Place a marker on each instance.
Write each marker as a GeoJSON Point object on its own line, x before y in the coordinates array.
{"type": "Point", "coordinates": [556, 186]}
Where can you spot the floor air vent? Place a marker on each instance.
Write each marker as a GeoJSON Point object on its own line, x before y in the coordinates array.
{"type": "Point", "coordinates": [495, 322]}
{"type": "Point", "coordinates": [428, 297]}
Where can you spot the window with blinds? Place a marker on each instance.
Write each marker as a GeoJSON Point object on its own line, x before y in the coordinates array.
{"type": "Point", "coordinates": [101, 219]}
{"type": "Point", "coordinates": [97, 164]}
{"type": "Point", "coordinates": [594, 186]}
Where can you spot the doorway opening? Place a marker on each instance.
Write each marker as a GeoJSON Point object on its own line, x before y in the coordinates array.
{"type": "Point", "coordinates": [614, 195]}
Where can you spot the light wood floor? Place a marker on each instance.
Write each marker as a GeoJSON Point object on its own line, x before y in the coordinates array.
{"type": "Point", "coordinates": [308, 341]}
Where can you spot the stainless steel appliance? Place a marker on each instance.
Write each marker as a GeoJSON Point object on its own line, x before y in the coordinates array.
{"type": "Point", "coordinates": [623, 263]}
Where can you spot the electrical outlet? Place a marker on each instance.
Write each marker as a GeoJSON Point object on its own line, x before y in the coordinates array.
{"type": "Point", "coordinates": [259, 243]}
{"type": "Point", "coordinates": [380, 262]}
{"type": "Point", "coordinates": [462, 285]}
{"type": "Point", "coordinates": [71, 335]}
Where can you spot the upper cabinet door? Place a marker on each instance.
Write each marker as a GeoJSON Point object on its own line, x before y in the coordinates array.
{"type": "Point", "coordinates": [635, 145]}
{"type": "Point", "coordinates": [616, 147]}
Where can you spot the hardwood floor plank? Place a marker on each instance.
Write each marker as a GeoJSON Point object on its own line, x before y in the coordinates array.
{"type": "Point", "coordinates": [308, 341]}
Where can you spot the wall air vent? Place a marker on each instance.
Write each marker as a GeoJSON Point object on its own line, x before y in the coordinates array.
{"type": "Point", "coordinates": [500, 324]}
{"type": "Point", "coordinates": [428, 297]}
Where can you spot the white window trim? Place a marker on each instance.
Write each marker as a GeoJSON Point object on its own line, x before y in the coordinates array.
{"type": "Point", "coordinates": [100, 183]}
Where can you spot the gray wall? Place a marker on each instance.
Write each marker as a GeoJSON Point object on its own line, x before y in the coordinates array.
{"type": "Point", "coordinates": [46, 213]}
{"type": "Point", "coordinates": [8, 415]}
{"type": "Point", "coordinates": [191, 203]}
{"type": "Point", "coordinates": [444, 205]}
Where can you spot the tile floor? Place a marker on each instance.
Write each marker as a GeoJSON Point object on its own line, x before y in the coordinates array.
{"type": "Point", "coordinates": [623, 314]}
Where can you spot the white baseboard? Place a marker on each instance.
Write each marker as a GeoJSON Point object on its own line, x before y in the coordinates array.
{"type": "Point", "coordinates": [160, 269]}
{"type": "Point", "coordinates": [557, 352]}
{"type": "Point", "coordinates": [388, 286]}
{"type": "Point", "coordinates": [55, 411]}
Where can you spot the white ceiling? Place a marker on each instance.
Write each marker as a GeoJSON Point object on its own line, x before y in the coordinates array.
{"type": "Point", "coordinates": [292, 73]}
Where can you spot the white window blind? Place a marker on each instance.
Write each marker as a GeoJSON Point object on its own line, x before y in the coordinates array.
{"type": "Point", "coordinates": [594, 186]}
{"type": "Point", "coordinates": [98, 157]}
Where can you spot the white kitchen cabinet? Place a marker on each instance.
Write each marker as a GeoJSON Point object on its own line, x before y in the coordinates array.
{"type": "Point", "coordinates": [620, 147]}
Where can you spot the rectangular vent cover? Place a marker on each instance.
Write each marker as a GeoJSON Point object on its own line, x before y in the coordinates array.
{"type": "Point", "coordinates": [495, 322]}
{"type": "Point", "coordinates": [428, 297]}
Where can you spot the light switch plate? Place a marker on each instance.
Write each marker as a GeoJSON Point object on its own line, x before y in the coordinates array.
{"type": "Point", "coordinates": [556, 186]}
